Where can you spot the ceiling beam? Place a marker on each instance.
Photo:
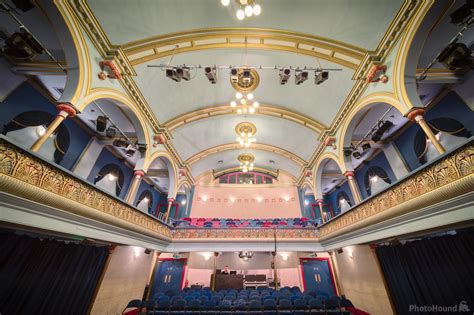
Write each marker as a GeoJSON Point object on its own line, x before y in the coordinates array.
{"type": "Point", "coordinates": [263, 110]}
{"type": "Point", "coordinates": [236, 146]}
{"type": "Point", "coordinates": [157, 47]}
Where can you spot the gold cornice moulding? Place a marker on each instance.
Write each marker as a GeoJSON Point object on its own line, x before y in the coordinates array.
{"type": "Point", "coordinates": [447, 178]}
{"type": "Point", "coordinates": [27, 176]}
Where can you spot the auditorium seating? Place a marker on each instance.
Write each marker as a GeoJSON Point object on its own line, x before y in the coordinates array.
{"type": "Point", "coordinates": [244, 223]}
{"type": "Point", "coordinates": [247, 301]}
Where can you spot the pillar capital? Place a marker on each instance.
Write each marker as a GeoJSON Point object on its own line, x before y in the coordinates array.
{"type": "Point", "coordinates": [66, 107]}
{"type": "Point", "coordinates": [319, 200]}
{"type": "Point", "coordinates": [139, 173]}
{"type": "Point", "coordinates": [170, 200]}
{"type": "Point", "coordinates": [349, 174]}
{"type": "Point", "coordinates": [415, 112]}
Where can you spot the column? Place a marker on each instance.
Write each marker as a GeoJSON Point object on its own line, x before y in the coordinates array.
{"type": "Point", "coordinates": [132, 191]}
{"type": "Point", "coordinates": [213, 284]}
{"type": "Point", "coordinates": [417, 115]}
{"type": "Point", "coordinates": [64, 111]}
{"type": "Point", "coordinates": [354, 187]}
{"type": "Point", "coordinates": [336, 273]}
{"type": "Point", "coordinates": [170, 203]}
{"type": "Point", "coordinates": [321, 211]}
{"type": "Point", "coordinates": [275, 271]}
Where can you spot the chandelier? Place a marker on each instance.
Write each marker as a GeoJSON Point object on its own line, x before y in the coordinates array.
{"type": "Point", "coordinates": [245, 134]}
{"type": "Point", "coordinates": [246, 103]}
{"type": "Point", "coordinates": [246, 162]}
{"type": "Point", "coordinates": [245, 255]}
{"type": "Point", "coordinates": [247, 8]}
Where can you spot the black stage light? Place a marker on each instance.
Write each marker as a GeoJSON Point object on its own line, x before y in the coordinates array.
{"type": "Point", "coordinates": [383, 127]}
{"type": "Point", "coordinates": [130, 151]}
{"type": "Point", "coordinates": [300, 76]}
{"type": "Point", "coordinates": [285, 74]}
{"type": "Point", "coordinates": [340, 251]}
{"type": "Point", "coordinates": [21, 45]}
{"type": "Point", "coordinates": [347, 151]}
{"type": "Point", "coordinates": [141, 147]}
{"type": "Point", "coordinates": [356, 154]}
{"type": "Point", "coordinates": [101, 123]}
{"type": "Point", "coordinates": [456, 56]}
{"type": "Point", "coordinates": [462, 14]}
{"type": "Point", "coordinates": [246, 76]}
{"type": "Point", "coordinates": [172, 73]}
{"type": "Point", "coordinates": [23, 5]}
{"type": "Point", "coordinates": [366, 147]}
{"type": "Point", "coordinates": [121, 143]}
{"type": "Point", "coordinates": [320, 77]}
{"type": "Point", "coordinates": [111, 131]}
{"type": "Point", "coordinates": [184, 73]}
{"type": "Point", "coordinates": [234, 78]}
{"type": "Point", "coordinates": [211, 74]}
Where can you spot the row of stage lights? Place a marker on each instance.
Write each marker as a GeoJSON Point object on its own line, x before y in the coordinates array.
{"type": "Point", "coordinates": [178, 73]}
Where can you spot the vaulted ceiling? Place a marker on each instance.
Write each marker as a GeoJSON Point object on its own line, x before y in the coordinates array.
{"type": "Point", "coordinates": [287, 33]}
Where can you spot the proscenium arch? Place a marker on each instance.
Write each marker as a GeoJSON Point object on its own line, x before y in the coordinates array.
{"type": "Point", "coordinates": [348, 125]}
{"type": "Point", "coordinates": [235, 37]}
{"type": "Point", "coordinates": [172, 171]}
{"type": "Point", "coordinates": [236, 146]}
{"type": "Point", "coordinates": [318, 172]}
{"type": "Point", "coordinates": [78, 79]}
{"type": "Point", "coordinates": [263, 110]}
{"type": "Point", "coordinates": [138, 120]}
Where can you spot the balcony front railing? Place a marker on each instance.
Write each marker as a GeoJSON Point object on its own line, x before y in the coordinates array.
{"type": "Point", "coordinates": [27, 175]}
{"type": "Point", "coordinates": [448, 176]}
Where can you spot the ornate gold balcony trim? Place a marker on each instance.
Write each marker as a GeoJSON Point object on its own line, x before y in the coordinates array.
{"type": "Point", "coordinates": [24, 175]}
{"type": "Point", "coordinates": [243, 234]}
{"type": "Point", "coordinates": [447, 178]}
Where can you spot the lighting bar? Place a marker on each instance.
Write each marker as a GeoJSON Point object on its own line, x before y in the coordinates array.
{"type": "Point", "coordinates": [229, 67]}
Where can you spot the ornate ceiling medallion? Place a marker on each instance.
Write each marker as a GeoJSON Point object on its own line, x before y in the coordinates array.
{"type": "Point", "coordinates": [246, 162]}
{"type": "Point", "coordinates": [245, 133]}
{"type": "Point", "coordinates": [244, 80]}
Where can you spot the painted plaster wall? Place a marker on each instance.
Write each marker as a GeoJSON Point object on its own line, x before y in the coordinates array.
{"type": "Point", "coordinates": [124, 280]}
{"type": "Point", "coordinates": [209, 202]}
{"type": "Point", "coordinates": [362, 281]}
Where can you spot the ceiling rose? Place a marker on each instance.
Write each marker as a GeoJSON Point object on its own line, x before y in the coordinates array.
{"type": "Point", "coordinates": [246, 158]}
{"type": "Point", "coordinates": [244, 79]}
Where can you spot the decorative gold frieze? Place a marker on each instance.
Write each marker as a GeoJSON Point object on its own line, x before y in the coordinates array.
{"type": "Point", "coordinates": [453, 172]}
{"type": "Point", "coordinates": [25, 175]}
{"type": "Point", "coordinates": [247, 234]}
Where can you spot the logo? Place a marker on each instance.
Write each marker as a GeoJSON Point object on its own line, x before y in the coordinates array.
{"type": "Point", "coordinates": [463, 307]}
{"type": "Point", "coordinates": [457, 308]}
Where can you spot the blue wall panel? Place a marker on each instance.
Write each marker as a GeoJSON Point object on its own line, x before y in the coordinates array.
{"type": "Point", "coordinates": [106, 157]}
{"type": "Point", "coordinates": [451, 106]}
{"type": "Point", "coordinates": [27, 98]}
{"type": "Point", "coordinates": [381, 161]}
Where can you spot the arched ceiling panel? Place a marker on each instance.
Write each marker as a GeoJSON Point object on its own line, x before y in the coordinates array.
{"type": "Point", "coordinates": [198, 136]}
{"type": "Point", "coordinates": [228, 159]}
{"type": "Point", "coordinates": [343, 20]}
{"type": "Point", "coordinates": [170, 99]}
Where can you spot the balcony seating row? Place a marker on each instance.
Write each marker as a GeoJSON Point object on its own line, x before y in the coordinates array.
{"type": "Point", "coordinates": [244, 223]}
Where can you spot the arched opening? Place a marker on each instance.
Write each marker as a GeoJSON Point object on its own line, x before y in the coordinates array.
{"type": "Point", "coordinates": [25, 128]}
{"type": "Point", "coordinates": [450, 133]}
{"type": "Point", "coordinates": [162, 174]}
{"type": "Point", "coordinates": [309, 205]}
{"type": "Point", "coordinates": [330, 181]}
{"type": "Point", "coordinates": [184, 200]}
{"type": "Point", "coordinates": [145, 201]}
{"type": "Point", "coordinates": [111, 179]}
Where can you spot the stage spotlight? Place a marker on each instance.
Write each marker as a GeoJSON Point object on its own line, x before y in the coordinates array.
{"type": "Point", "coordinates": [300, 76]}
{"type": "Point", "coordinates": [120, 143]}
{"type": "Point", "coordinates": [23, 5]}
{"type": "Point", "coordinates": [320, 77]}
{"type": "Point", "coordinates": [356, 154]}
{"type": "Point", "coordinates": [246, 77]}
{"type": "Point", "coordinates": [234, 78]}
{"type": "Point", "coordinates": [347, 151]}
{"type": "Point", "coordinates": [21, 45]}
{"type": "Point", "coordinates": [172, 73]}
{"type": "Point", "coordinates": [111, 131]}
{"type": "Point", "coordinates": [340, 251]}
{"type": "Point", "coordinates": [101, 123]}
{"type": "Point", "coordinates": [456, 56]}
{"type": "Point", "coordinates": [383, 127]}
{"type": "Point", "coordinates": [211, 74]}
{"type": "Point", "coordinates": [462, 14]}
{"type": "Point", "coordinates": [130, 150]}
{"type": "Point", "coordinates": [141, 147]}
{"type": "Point", "coordinates": [366, 147]}
{"type": "Point", "coordinates": [184, 73]}
{"type": "Point", "coordinates": [285, 74]}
